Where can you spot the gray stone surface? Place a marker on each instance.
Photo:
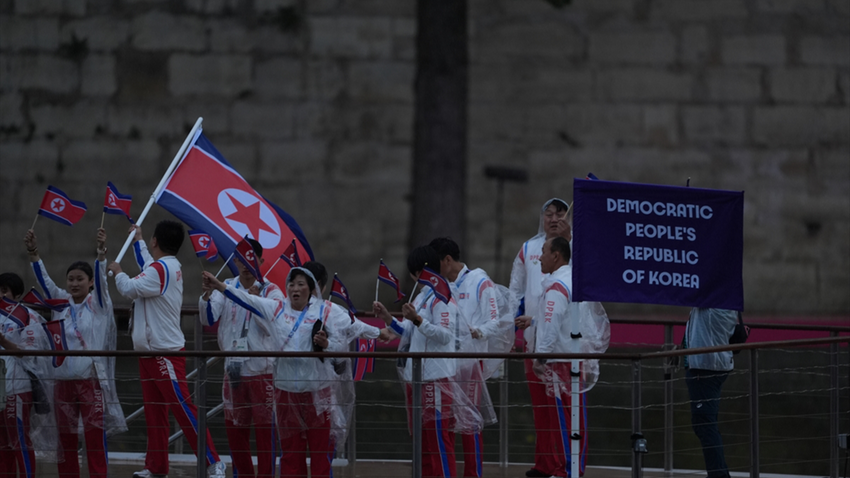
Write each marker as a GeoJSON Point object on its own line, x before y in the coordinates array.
{"type": "Point", "coordinates": [313, 103]}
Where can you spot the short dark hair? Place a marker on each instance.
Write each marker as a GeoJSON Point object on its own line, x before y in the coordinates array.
{"type": "Point", "coordinates": [84, 267]}
{"type": "Point", "coordinates": [561, 246]}
{"type": "Point", "coordinates": [298, 272]}
{"type": "Point", "coordinates": [169, 236]}
{"type": "Point", "coordinates": [258, 248]}
{"type": "Point", "coordinates": [13, 282]}
{"type": "Point", "coordinates": [445, 246]}
{"type": "Point", "coordinates": [422, 256]}
{"type": "Point", "coordinates": [559, 205]}
{"type": "Point", "coordinates": [318, 271]}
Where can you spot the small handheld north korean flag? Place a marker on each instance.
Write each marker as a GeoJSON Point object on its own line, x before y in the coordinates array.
{"type": "Point", "coordinates": [56, 332]}
{"type": "Point", "coordinates": [436, 282]}
{"type": "Point", "coordinates": [117, 203]}
{"type": "Point", "coordinates": [34, 298]}
{"type": "Point", "coordinates": [290, 255]}
{"type": "Point", "coordinates": [203, 244]}
{"type": "Point", "coordinates": [245, 254]}
{"type": "Point", "coordinates": [14, 311]}
{"type": "Point", "coordinates": [58, 206]}
{"type": "Point", "coordinates": [592, 176]}
{"type": "Point", "coordinates": [386, 276]}
{"type": "Point", "coordinates": [360, 365]}
{"type": "Point", "coordinates": [339, 291]}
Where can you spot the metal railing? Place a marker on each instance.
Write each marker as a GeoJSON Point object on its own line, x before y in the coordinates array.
{"type": "Point", "coordinates": [207, 358]}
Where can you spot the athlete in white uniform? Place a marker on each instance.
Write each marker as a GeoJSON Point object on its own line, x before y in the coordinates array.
{"type": "Point", "coordinates": [157, 294]}
{"type": "Point", "coordinates": [245, 311]}
{"type": "Point", "coordinates": [477, 301]}
{"type": "Point", "coordinates": [84, 387]}
{"type": "Point", "coordinates": [527, 285]}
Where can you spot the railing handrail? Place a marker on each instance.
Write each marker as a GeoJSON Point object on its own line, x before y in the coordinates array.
{"type": "Point", "coordinates": [124, 312]}
{"type": "Point", "coordinates": [427, 355]}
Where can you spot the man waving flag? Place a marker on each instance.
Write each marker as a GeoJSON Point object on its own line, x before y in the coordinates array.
{"type": "Point", "coordinates": [207, 193]}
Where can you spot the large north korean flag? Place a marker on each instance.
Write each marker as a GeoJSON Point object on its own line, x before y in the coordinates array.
{"type": "Point", "coordinates": [206, 193]}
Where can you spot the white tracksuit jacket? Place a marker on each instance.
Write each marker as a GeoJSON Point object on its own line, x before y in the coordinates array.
{"type": "Point", "coordinates": [436, 333]}
{"type": "Point", "coordinates": [157, 294]}
{"type": "Point", "coordinates": [556, 306]}
{"type": "Point", "coordinates": [477, 302]}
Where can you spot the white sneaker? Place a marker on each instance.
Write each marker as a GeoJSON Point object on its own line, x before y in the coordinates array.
{"type": "Point", "coordinates": [216, 470]}
{"type": "Point", "coordinates": [147, 474]}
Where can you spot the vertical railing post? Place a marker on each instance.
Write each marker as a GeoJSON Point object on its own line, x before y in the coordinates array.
{"type": "Point", "coordinates": [201, 400]}
{"type": "Point", "coordinates": [668, 403]}
{"type": "Point", "coordinates": [754, 413]}
{"type": "Point", "coordinates": [503, 417]}
{"type": "Point", "coordinates": [352, 428]}
{"type": "Point", "coordinates": [637, 457]}
{"type": "Point", "coordinates": [416, 416]}
{"type": "Point", "coordinates": [834, 452]}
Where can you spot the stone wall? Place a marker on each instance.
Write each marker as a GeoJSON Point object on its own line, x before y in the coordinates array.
{"type": "Point", "coordinates": [312, 102]}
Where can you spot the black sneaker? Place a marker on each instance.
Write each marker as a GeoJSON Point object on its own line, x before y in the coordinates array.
{"type": "Point", "coordinates": [535, 473]}
{"type": "Point", "coordinates": [147, 474]}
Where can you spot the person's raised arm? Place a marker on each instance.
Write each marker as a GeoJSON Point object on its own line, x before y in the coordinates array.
{"type": "Point", "coordinates": [518, 275]}
{"type": "Point", "coordinates": [150, 283]}
{"type": "Point", "coordinates": [210, 304]}
{"type": "Point", "coordinates": [140, 249]}
{"type": "Point", "coordinates": [398, 328]}
{"type": "Point", "coordinates": [102, 301]}
{"type": "Point", "coordinates": [50, 289]}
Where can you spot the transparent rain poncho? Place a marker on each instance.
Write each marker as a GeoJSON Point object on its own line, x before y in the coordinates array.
{"type": "Point", "coordinates": [323, 399]}
{"type": "Point", "coordinates": [445, 380]}
{"type": "Point", "coordinates": [32, 375]}
{"type": "Point", "coordinates": [89, 325]}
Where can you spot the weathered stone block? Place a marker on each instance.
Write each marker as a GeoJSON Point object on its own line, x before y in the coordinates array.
{"type": "Point", "coordinates": [162, 31]}
{"type": "Point", "coordinates": [216, 116]}
{"type": "Point", "coordinates": [24, 161]}
{"type": "Point", "coordinates": [98, 75]}
{"type": "Point", "coordinates": [551, 38]}
{"type": "Point", "coordinates": [725, 125]}
{"type": "Point", "coordinates": [211, 6]}
{"type": "Point", "coordinates": [404, 39]}
{"type": "Point", "coordinates": [90, 161]}
{"type": "Point", "coordinates": [825, 51]}
{"type": "Point", "coordinates": [698, 10]}
{"type": "Point", "coordinates": [801, 125]}
{"type": "Point", "coordinates": [226, 75]}
{"type": "Point", "coordinates": [75, 8]}
{"type": "Point", "coordinates": [274, 40]}
{"type": "Point", "coordinates": [754, 50]}
{"type": "Point", "coordinates": [280, 78]}
{"type": "Point", "coordinates": [737, 84]}
{"type": "Point", "coordinates": [767, 284]}
{"type": "Point", "coordinates": [840, 6]}
{"type": "Point", "coordinates": [11, 112]}
{"type": "Point", "coordinates": [272, 121]}
{"type": "Point", "coordinates": [844, 85]}
{"type": "Point", "coordinates": [370, 38]}
{"type": "Point", "coordinates": [273, 5]}
{"type": "Point", "coordinates": [325, 79]}
{"type": "Point", "coordinates": [600, 124]}
{"type": "Point", "coordinates": [790, 6]}
{"type": "Point", "coordinates": [640, 47]}
{"type": "Point", "coordinates": [388, 122]}
{"type": "Point", "coordinates": [802, 85]}
{"type": "Point", "coordinates": [381, 81]}
{"type": "Point", "coordinates": [102, 33]}
{"type": "Point", "coordinates": [228, 36]}
{"type": "Point", "coordinates": [293, 161]}
{"type": "Point", "coordinates": [79, 120]}
{"type": "Point", "coordinates": [145, 121]}
{"type": "Point", "coordinates": [660, 125]}
{"type": "Point", "coordinates": [535, 82]}
{"type": "Point", "coordinates": [642, 84]}
{"type": "Point", "coordinates": [18, 33]}
{"type": "Point", "coordinates": [695, 45]}
{"type": "Point", "coordinates": [370, 163]}
{"type": "Point", "coordinates": [41, 72]}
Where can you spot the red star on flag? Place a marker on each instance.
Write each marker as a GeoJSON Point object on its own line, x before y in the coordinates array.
{"type": "Point", "coordinates": [250, 216]}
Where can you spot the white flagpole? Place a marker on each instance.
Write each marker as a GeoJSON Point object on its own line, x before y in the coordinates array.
{"type": "Point", "coordinates": [159, 187]}
{"type": "Point", "coordinates": [378, 282]}
{"type": "Point", "coordinates": [225, 264]}
{"type": "Point", "coordinates": [272, 267]}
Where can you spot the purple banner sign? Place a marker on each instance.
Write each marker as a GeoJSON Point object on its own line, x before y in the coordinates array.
{"type": "Point", "coordinates": [650, 244]}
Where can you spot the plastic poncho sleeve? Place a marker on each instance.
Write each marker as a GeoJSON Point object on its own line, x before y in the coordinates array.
{"type": "Point", "coordinates": [140, 252]}
{"type": "Point", "coordinates": [150, 282]}
{"type": "Point", "coordinates": [51, 290]}
{"type": "Point", "coordinates": [518, 274]}
{"type": "Point", "coordinates": [555, 305]}
{"type": "Point", "coordinates": [400, 328]}
{"type": "Point", "coordinates": [209, 311]}
{"type": "Point", "coordinates": [488, 308]}
{"type": "Point", "coordinates": [102, 303]}
{"type": "Point", "coordinates": [437, 324]}
{"type": "Point", "coordinates": [266, 306]}
{"type": "Point", "coordinates": [363, 330]}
